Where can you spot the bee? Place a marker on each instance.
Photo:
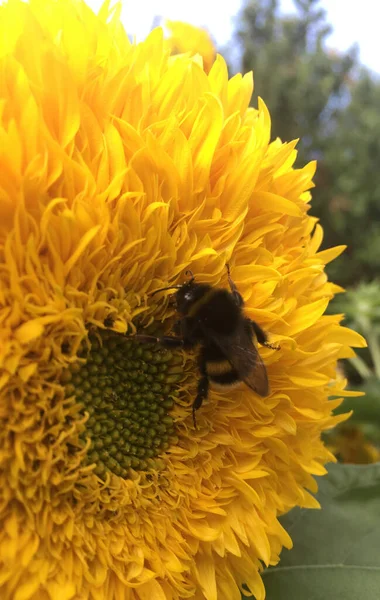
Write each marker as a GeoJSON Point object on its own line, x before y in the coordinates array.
{"type": "Point", "coordinates": [213, 319]}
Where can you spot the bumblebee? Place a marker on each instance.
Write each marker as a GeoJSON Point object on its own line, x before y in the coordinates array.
{"type": "Point", "coordinates": [213, 319]}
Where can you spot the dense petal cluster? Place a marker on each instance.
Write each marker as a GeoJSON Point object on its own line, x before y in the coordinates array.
{"type": "Point", "coordinates": [120, 167]}
{"type": "Point", "coordinates": [186, 38]}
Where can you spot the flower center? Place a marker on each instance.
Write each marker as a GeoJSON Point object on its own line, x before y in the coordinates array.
{"type": "Point", "coordinates": [128, 390]}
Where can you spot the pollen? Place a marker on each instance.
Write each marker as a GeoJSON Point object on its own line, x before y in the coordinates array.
{"type": "Point", "coordinates": [218, 368]}
{"type": "Point", "coordinates": [127, 391]}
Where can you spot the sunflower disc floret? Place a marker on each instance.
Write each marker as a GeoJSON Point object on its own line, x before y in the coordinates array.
{"type": "Point", "coordinates": [126, 390]}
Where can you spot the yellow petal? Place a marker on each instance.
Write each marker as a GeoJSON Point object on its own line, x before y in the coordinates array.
{"type": "Point", "coordinates": [29, 331]}
{"type": "Point", "coordinates": [206, 576]}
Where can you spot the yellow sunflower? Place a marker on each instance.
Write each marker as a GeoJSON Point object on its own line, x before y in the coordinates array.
{"type": "Point", "coordinates": [121, 167]}
{"type": "Point", "coordinates": [194, 40]}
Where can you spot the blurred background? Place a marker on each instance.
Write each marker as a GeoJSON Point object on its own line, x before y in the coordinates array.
{"type": "Point", "coordinates": [316, 64]}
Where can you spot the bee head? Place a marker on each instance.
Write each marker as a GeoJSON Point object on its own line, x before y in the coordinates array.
{"type": "Point", "coordinates": [188, 294]}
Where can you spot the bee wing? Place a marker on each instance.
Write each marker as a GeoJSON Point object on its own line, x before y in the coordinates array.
{"type": "Point", "coordinates": [243, 355]}
{"type": "Point", "coordinates": [257, 378]}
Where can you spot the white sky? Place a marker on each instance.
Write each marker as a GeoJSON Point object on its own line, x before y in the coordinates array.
{"type": "Point", "coordinates": [352, 20]}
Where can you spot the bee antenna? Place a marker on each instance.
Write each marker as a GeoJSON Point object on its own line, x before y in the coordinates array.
{"type": "Point", "coordinates": [189, 273]}
{"type": "Point", "coordinates": [170, 287]}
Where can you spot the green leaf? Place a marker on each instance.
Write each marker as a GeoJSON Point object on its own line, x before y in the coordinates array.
{"type": "Point", "coordinates": [366, 409]}
{"type": "Point", "coordinates": [336, 553]}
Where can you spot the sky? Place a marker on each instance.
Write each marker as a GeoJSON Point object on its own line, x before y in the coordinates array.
{"type": "Point", "coordinates": [353, 21]}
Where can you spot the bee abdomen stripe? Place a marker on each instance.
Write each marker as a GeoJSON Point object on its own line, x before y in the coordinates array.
{"type": "Point", "coordinates": [218, 368]}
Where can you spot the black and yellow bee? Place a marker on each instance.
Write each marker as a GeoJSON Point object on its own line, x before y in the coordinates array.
{"type": "Point", "coordinates": [213, 319]}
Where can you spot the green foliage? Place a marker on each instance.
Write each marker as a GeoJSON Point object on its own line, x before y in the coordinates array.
{"type": "Point", "coordinates": [336, 553]}
{"type": "Point", "coordinates": [328, 101]}
{"type": "Point", "coordinates": [348, 198]}
{"type": "Point", "coordinates": [361, 307]}
{"type": "Point", "coordinates": [359, 439]}
{"type": "Point", "coordinates": [366, 409]}
{"type": "Point", "coordinates": [294, 74]}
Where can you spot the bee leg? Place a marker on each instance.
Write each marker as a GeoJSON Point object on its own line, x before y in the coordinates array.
{"type": "Point", "coordinates": [234, 291]}
{"type": "Point", "coordinates": [258, 332]}
{"type": "Point", "coordinates": [166, 340]}
{"type": "Point", "coordinates": [272, 346]}
{"type": "Point", "coordinates": [203, 385]}
{"type": "Point", "coordinates": [261, 336]}
{"type": "Point", "coordinates": [177, 327]}
{"type": "Point", "coordinates": [202, 392]}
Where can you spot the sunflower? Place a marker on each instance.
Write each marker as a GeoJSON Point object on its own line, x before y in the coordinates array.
{"type": "Point", "coordinates": [194, 40]}
{"type": "Point", "coordinates": [121, 167]}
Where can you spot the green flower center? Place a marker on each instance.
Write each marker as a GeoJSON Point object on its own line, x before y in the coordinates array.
{"type": "Point", "coordinates": [128, 390]}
